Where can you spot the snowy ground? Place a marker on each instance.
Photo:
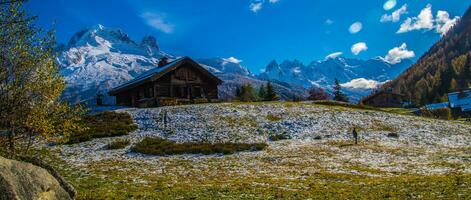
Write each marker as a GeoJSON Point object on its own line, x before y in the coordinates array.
{"type": "Point", "coordinates": [424, 146]}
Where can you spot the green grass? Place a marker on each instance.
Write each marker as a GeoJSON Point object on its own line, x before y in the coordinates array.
{"type": "Point", "coordinates": [322, 185]}
{"type": "Point", "coordinates": [273, 118]}
{"type": "Point", "coordinates": [343, 104]}
{"type": "Point", "coordinates": [118, 144]}
{"type": "Point", "coordinates": [181, 178]}
{"type": "Point", "coordinates": [402, 111]}
{"type": "Point", "coordinates": [105, 124]}
{"type": "Point", "coordinates": [162, 147]}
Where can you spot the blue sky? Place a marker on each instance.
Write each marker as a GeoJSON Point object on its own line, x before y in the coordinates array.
{"type": "Point", "coordinates": [258, 31]}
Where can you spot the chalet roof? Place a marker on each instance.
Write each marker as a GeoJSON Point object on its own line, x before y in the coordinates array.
{"type": "Point", "coordinates": [159, 72]}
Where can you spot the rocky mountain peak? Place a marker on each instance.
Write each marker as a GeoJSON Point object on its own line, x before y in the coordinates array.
{"type": "Point", "coordinates": [97, 34]}
{"type": "Point", "coordinates": [149, 43]}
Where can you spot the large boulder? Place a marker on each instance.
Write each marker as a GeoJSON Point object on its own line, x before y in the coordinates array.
{"type": "Point", "coordinates": [23, 180]}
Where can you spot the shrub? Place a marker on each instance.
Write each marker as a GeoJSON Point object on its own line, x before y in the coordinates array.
{"type": "Point", "coordinates": [318, 137]}
{"type": "Point", "coordinates": [273, 118]}
{"type": "Point", "coordinates": [278, 137]}
{"type": "Point", "coordinates": [317, 93]}
{"type": "Point", "coordinates": [441, 113]}
{"type": "Point", "coordinates": [118, 144]}
{"type": "Point", "coordinates": [105, 124]}
{"type": "Point", "coordinates": [393, 135]}
{"type": "Point", "coordinates": [161, 147]}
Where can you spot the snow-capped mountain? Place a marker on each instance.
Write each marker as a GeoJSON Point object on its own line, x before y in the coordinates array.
{"type": "Point", "coordinates": [99, 58]}
{"type": "Point", "coordinates": [226, 65]}
{"type": "Point", "coordinates": [357, 76]}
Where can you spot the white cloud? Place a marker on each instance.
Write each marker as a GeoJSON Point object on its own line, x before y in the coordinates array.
{"type": "Point", "coordinates": [395, 16]}
{"type": "Point", "coordinates": [444, 23]}
{"type": "Point", "coordinates": [329, 22]}
{"type": "Point", "coordinates": [231, 60]}
{"type": "Point", "coordinates": [157, 21]}
{"type": "Point", "coordinates": [355, 27]}
{"type": "Point", "coordinates": [397, 54]}
{"type": "Point", "coordinates": [390, 4]}
{"type": "Point", "coordinates": [359, 47]}
{"type": "Point", "coordinates": [256, 6]}
{"type": "Point", "coordinates": [333, 55]}
{"type": "Point", "coordinates": [362, 83]}
{"type": "Point", "coordinates": [423, 21]}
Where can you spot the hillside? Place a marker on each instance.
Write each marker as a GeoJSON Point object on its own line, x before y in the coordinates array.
{"type": "Point", "coordinates": [421, 158]}
{"type": "Point", "coordinates": [445, 68]}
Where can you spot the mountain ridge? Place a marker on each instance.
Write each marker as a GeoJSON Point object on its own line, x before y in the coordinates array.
{"type": "Point", "coordinates": [99, 58]}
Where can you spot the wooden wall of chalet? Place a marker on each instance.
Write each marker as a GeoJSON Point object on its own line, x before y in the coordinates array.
{"type": "Point", "coordinates": [183, 83]}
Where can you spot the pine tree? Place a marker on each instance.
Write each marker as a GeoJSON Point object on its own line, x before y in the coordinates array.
{"type": "Point", "coordinates": [262, 93]}
{"type": "Point", "coordinates": [271, 94]}
{"type": "Point", "coordinates": [30, 83]}
{"type": "Point", "coordinates": [248, 93]}
{"type": "Point", "coordinates": [459, 64]}
{"type": "Point", "coordinates": [338, 94]}
{"type": "Point", "coordinates": [238, 93]}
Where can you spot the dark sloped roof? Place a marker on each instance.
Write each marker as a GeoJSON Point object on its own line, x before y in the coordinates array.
{"type": "Point", "coordinates": [158, 72]}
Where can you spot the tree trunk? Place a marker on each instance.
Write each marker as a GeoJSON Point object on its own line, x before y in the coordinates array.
{"type": "Point", "coordinates": [30, 141]}
{"type": "Point", "coordinates": [11, 141]}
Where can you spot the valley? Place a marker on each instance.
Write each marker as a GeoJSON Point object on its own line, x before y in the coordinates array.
{"type": "Point", "coordinates": [257, 99]}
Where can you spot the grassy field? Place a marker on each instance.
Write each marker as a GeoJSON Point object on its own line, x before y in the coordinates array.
{"type": "Point", "coordinates": [420, 159]}
{"type": "Point", "coordinates": [266, 178]}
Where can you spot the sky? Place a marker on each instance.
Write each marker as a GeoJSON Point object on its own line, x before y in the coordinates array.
{"type": "Point", "coordinates": [254, 32]}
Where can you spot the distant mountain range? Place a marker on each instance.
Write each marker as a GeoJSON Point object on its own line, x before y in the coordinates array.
{"type": "Point", "coordinates": [360, 77]}
{"type": "Point", "coordinates": [99, 58]}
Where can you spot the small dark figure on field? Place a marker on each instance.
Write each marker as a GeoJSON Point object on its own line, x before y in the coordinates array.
{"type": "Point", "coordinates": [355, 135]}
{"type": "Point", "coordinates": [165, 119]}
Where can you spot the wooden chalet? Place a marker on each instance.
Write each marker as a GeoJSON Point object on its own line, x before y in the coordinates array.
{"type": "Point", "coordinates": [460, 102]}
{"type": "Point", "coordinates": [385, 99]}
{"type": "Point", "coordinates": [182, 81]}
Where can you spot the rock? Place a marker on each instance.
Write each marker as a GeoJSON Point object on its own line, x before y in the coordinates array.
{"type": "Point", "coordinates": [22, 180]}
